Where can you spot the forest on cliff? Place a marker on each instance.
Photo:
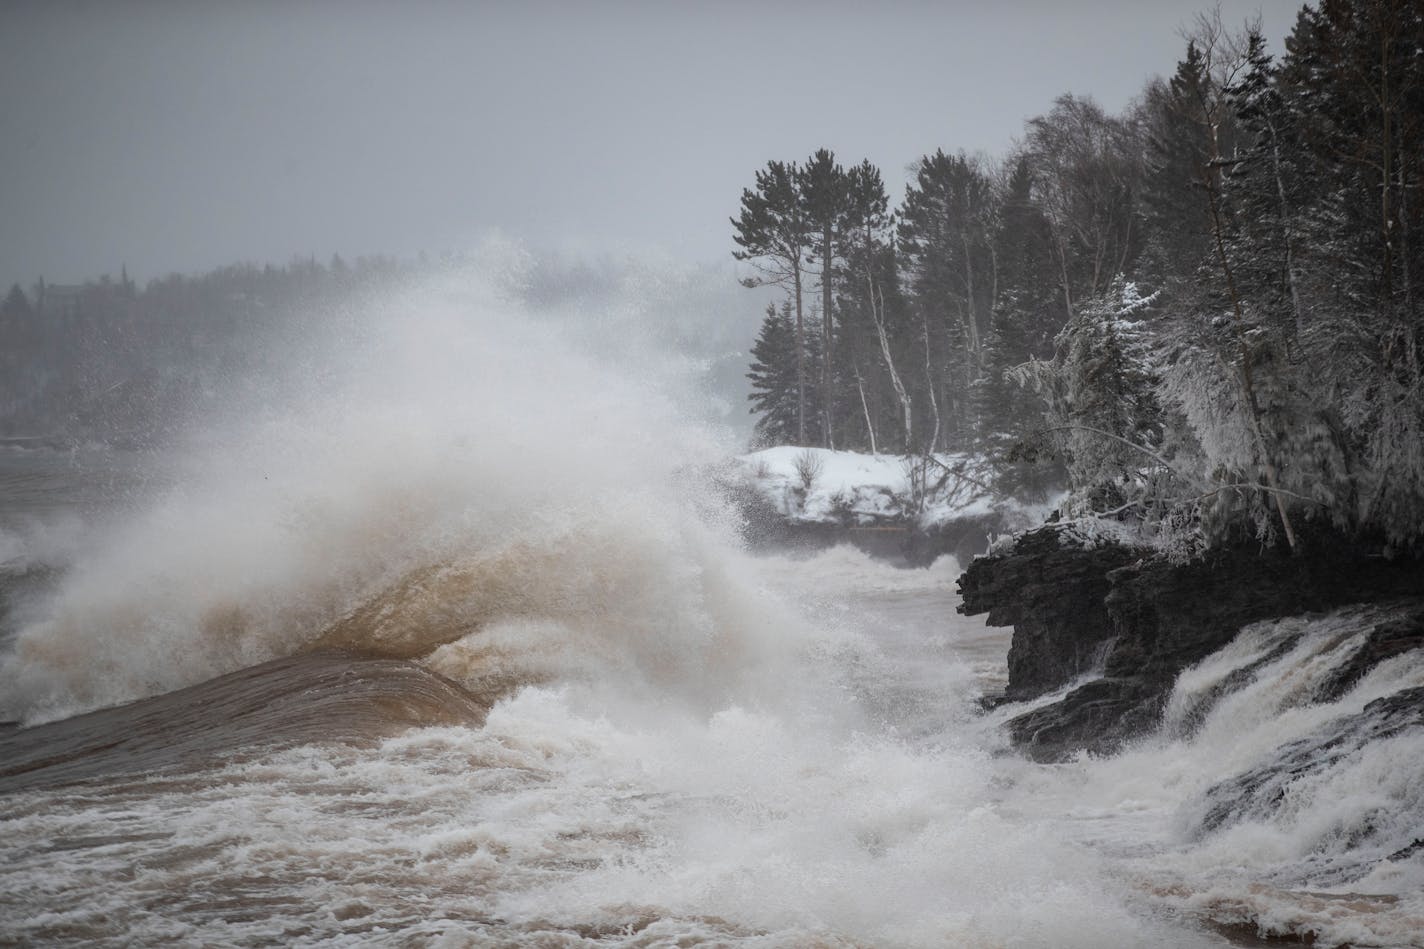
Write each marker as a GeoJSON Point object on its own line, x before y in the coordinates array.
{"type": "Point", "coordinates": [1200, 313]}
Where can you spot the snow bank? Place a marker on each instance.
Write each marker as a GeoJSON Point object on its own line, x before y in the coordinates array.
{"type": "Point", "coordinates": [819, 486]}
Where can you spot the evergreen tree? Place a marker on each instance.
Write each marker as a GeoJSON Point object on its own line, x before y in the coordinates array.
{"type": "Point", "coordinates": [824, 193]}
{"type": "Point", "coordinates": [772, 235]}
{"type": "Point", "coordinates": [1177, 145]}
{"type": "Point", "coordinates": [1275, 377]}
{"type": "Point", "coordinates": [775, 397]}
{"type": "Point", "coordinates": [944, 232]}
{"type": "Point", "coordinates": [1028, 314]}
{"type": "Point", "coordinates": [1100, 394]}
{"type": "Point", "coordinates": [16, 305]}
{"type": "Point", "coordinates": [1264, 193]}
{"type": "Point", "coordinates": [1352, 84]}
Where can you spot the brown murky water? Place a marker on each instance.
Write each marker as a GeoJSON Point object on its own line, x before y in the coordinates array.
{"type": "Point", "coordinates": [310, 699]}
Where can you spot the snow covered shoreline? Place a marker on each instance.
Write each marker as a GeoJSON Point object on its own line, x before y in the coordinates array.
{"type": "Point", "coordinates": [818, 485]}
{"type": "Point", "coordinates": [947, 502]}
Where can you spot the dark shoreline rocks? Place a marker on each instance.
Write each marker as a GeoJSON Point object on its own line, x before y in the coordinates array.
{"type": "Point", "coordinates": [1053, 594]}
{"type": "Point", "coordinates": [1137, 620]}
{"type": "Point", "coordinates": [1258, 790]}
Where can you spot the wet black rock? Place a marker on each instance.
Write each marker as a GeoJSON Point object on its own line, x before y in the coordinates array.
{"type": "Point", "coordinates": [963, 538]}
{"type": "Point", "coordinates": [1138, 620]}
{"type": "Point", "coordinates": [1387, 640]}
{"type": "Point", "coordinates": [1257, 793]}
{"type": "Point", "coordinates": [1193, 716]}
{"type": "Point", "coordinates": [1090, 718]}
{"type": "Point", "coordinates": [1052, 591]}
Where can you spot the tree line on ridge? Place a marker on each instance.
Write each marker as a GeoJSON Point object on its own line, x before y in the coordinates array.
{"type": "Point", "coordinates": [1200, 314]}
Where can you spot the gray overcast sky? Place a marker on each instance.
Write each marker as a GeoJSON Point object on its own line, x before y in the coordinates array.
{"type": "Point", "coordinates": [181, 136]}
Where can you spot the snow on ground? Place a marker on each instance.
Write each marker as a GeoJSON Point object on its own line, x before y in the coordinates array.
{"type": "Point", "coordinates": [816, 485]}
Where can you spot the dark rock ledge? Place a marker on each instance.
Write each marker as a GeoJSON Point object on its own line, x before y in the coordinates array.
{"type": "Point", "coordinates": [1137, 620]}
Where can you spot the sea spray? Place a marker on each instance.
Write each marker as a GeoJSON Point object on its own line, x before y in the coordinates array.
{"type": "Point", "coordinates": [434, 425]}
{"type": "Point", "coordinates": [595, 806]}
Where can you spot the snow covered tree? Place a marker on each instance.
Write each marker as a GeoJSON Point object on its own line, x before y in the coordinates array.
{"type": "Point", "coordinates": [1263, 191]}
{"type": "Point", "coordinates": [1274, 379]}
{"type": "Point", "coordinates": [1100, 395]}
{"type": "Point", "coordinates": [1352, 83]}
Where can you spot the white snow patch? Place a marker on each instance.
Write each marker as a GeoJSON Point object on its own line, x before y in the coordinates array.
{"type": "Point", "coordinates": [847, 487]}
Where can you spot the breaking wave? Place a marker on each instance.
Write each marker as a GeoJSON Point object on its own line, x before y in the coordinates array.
{"type": "Point", "coordinates": [450, 468]}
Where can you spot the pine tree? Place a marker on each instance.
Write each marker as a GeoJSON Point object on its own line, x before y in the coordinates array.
{"type": "Point", "coordinates": [1100, 394]}
{"type": "Point", "coordinates": [16, 305]}
{"type": "Point", "coordinates": [775, 398]}
{"type": "Point", "coordinates": [1216, 61]}
{"type": "Point", "coordinates": [772, 235]}
{"type": "Point", "coordinates": [1177, 146]}
{"type": "Point", "coordinates": [944, 232]}
{"type": "Point", "coordinates": [824, 193]}
{"type": "Point", "coordinates": [1352, 84]}
{"type": "Point", "coordinates": [1263, 191]}
{"type": "Point", "coordinates": [1028, 315]}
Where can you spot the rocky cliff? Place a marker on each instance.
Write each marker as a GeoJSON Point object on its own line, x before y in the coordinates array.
{"type": "Point", "coordinates": [1131, 621]}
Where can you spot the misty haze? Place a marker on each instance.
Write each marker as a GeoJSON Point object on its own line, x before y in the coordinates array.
{"type": "Point", "coordinates": [778, 475]}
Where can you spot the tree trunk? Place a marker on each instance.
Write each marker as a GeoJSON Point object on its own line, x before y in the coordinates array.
{"type": "Point", "coordinates": [1411, 323]}
{"type": "Point", "coordinates": [994, 283]}
{"type": "Point", "coordinates": [800, 360]}
{"type": "Point", "coordinates": [878, 315]}
{"type": "Point", "coordinates": [827, 436]}
{"type": "Point", "coordinates": [1126, 248]}
{"type": "Point", "coordinates": [1405, 271]}
{"type": "Point", "coordinates": [930, 387]}
{"type": "Point", "coordinates": [972, 343]}
{"type": "Point", "coordinates": [1063, 269]}
{"type": "Point", "coordinates": [864, 406]}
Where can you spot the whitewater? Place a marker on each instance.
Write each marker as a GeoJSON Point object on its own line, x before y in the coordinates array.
{"type": "Point", "coordinates": [445, 636]}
